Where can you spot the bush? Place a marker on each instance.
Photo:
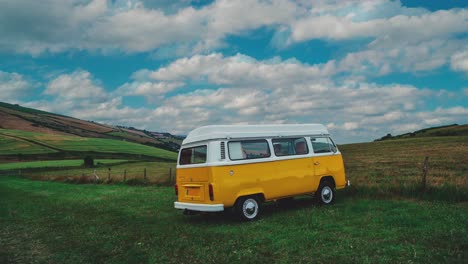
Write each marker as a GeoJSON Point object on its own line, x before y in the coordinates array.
{"type": "Point", "coordinates": [88, 162]}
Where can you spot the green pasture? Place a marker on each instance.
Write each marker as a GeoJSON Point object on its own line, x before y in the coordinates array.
{"type": "Point", "coordinates": [156, 172]}
{"type": "Point", "coordinates": [394, 167]}
{"type": "Point", "coordinates": [77, 144]}
{"type": "Point", "coordinates": [10, 146]}
{"type": "Point", "coordinates": [50, 222]}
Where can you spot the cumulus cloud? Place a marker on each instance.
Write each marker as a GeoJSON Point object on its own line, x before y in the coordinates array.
{"type": "Point", "coordinates": [242, 70]}
{"type": "Point", "coordinates": [240, 89]}
{"type": "Point", "coordinates": [77, 85]}
{"type": "Point", "coordinates": [382, 60]}
{"type": "Point", "coordinates": [13, 86]}
{"type": "Point", "coordinates": [411, 28]}
{"type": "Point", "coordinates": [459, 61]}
{"type": "Point", "coordinates": [35, 27]}
{"type": "Point", "coordinates": [80, 95]}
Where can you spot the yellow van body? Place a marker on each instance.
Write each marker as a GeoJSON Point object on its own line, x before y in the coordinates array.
{"type": "Point", "coordinates": [219, 181]}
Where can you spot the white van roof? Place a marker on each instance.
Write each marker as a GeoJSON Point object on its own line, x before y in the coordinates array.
{"type": "Point", "coordinates": [253, 131]}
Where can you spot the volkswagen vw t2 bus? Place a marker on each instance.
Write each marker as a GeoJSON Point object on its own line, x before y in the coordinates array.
{"type": "Point", "coordinates": [242, 166]}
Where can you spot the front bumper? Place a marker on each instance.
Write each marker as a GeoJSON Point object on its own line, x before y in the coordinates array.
{"type": "Point", "coordinates": [199, 207]}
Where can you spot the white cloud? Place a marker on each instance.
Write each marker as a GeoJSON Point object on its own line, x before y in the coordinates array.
{"type": "Point", "coordinates": [13, 86]}
{"type": "Point", "coordinates": [246, 90]}
{"type": "Point", "coordinates": [79, 95]}
{"type": "Point", "coordinates": [34, 27]}
{"type": "Point", "coordinates": [395, 38]}
{"type": "Point", "coordinates": [148, 89]}
{"type": "Point", "coordinates": [411, 28]}
{"type": "Point", "coordinates": [403, 57]}
{"type": "Point", "coordinates": [77, 85]}
{"type": "Point", "coordinates": [459, 61]}
{"type": "Point", "coordinates": [241, 70]}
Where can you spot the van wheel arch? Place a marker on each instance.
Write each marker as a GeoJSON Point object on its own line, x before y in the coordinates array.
{"type": "Point", "coordinates": [329, 179]}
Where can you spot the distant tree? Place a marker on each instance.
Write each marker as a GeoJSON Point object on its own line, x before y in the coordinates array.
{"type": "Point", "coordinates": [88, 162]}
{"type": "Point", "coordinates": [387, 136]}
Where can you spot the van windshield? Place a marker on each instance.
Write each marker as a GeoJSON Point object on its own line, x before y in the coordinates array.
{"type": "Point", "coordinates": [195, 155]}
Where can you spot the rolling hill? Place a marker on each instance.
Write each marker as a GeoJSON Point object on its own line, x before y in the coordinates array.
{"type": "Point", "coordinates": [16, 117]}
{"type": "Point", "coordinates": [449, 130]}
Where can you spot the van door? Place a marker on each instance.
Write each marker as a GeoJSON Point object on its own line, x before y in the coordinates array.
{"type": "Point", "coordinates": [294, 169]}
{"type": "Point", "coordinates": [327, 161]}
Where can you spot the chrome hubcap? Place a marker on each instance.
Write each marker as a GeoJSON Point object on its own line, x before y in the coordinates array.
{"type": "Point", "coordinates": [327, 194]}
{"type": "Point", "coordinates": [250, 208]}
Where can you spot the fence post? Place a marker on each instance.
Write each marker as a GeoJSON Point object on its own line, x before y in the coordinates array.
{"type": "Point", "coordinates": [125, 175]}
{"type": "Point", "coordinates": [144, 174]}
{"type": "Point", "coordinates": [109, 175]}
{"type": "Point", "coordinates": [425, 168]}
{"type": "Point", "coordinates": [96, 177]}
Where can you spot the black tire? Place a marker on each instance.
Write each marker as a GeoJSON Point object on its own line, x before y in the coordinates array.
{"type": "Point", "coordinates": [325, 194]}
{"type": "Point", "coordinates": [248, 208]}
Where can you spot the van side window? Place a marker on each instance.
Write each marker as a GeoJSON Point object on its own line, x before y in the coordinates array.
{"type": "Point", "coordinates": [195, 155]}
{"type": "Point", "coordinates": [290, 146]}
{"type": "Point", "coordinates": [248, 149]}
{"type": "Point", "coordinates": [322, 145]}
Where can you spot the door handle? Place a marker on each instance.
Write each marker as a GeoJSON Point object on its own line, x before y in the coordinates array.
{"type": "Point", "coordinates": [316, 163]}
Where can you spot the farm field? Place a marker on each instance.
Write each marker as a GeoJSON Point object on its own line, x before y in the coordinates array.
{"type": "Point", "coordinates": [79, 144]}
{"type": "Point", "coordinates": [9, 145]}
{"type": "Point", "coordinates": [394, 167]}
{"type": "Point", "coordinates": [68, 223]}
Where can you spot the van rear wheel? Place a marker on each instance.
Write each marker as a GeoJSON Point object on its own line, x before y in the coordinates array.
{"type": "Point", "coordinates": [325, 194]}
{"type": "Point", "coordinates": [248, 208]}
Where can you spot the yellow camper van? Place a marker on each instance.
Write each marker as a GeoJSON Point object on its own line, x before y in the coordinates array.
{"type": "Point", "coordinates": [242, 166]}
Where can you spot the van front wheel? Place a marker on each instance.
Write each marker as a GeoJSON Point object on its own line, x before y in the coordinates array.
{"type": "Point", "coordinates": [325, 194]}
{"type": "Point", "coordinates": [248, 208]}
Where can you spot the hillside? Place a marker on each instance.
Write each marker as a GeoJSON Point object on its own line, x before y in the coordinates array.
{"type": "Point", "coordinates": [27, 119]}
{"type": "Point", "coordinates": [25, 145]}
{"type": "Point", "coordinates": [440, 131]}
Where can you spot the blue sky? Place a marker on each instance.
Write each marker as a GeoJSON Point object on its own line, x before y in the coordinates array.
{"type": "Point", "coordinates": [363, 68]}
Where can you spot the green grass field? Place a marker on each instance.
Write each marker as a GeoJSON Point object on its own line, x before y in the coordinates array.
{"type": "Point", "coordinates": [394, 167]}
{"type": "Point", "coordinates": [54, 164]}
{"type": "Point", "coordinates": [73, 143]}
{"type": "Point", "coordinates": [49, 222]}
{"type": "Point", "coordinates": [10, 146]}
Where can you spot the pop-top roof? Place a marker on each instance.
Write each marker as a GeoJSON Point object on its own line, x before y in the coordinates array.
{"type": "Point", "coordinates": [253, 131]}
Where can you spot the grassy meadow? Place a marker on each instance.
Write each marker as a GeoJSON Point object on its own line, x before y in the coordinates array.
{"type": "Point", "coordinates": [394, 167]}
{"type": "Point", "coordinates": [10, 146]}
{"type": "Point", "coordinates": [156, 172]}
{"type": "Point", "coordinates": [50, 222]}
{"type": "Point", "coordinates": [79, 144]}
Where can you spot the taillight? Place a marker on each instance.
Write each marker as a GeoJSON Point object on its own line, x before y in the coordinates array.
{"type": "Point", "coordinates": [176, 190]}
{"type": "Point", "coordinates": [210, 190]}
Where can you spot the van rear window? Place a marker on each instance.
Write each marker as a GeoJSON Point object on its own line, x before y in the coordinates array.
{"type": "Point", "coordinates": [195, 155]}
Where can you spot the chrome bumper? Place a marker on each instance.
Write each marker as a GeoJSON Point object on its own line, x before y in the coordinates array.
{"type": "Point", "coordinates": [199, 207]}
